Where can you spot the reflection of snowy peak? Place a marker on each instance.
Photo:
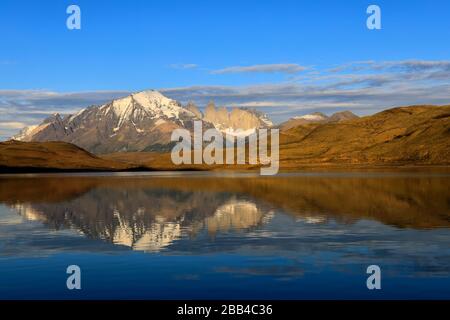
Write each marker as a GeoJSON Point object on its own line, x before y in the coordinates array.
{"type": "Point", "coordinates": [30, 213]}
{"type": "Point", "coordinates": [236, 214]}
{"type": "Point", "coordinates": [158, 235]}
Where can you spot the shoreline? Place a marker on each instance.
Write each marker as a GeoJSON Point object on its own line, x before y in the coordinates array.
{"type": "Point", "coordinates": [255, 170]}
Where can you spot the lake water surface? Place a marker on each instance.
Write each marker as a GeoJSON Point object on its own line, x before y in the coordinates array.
{"type": "Point", "coordinates": [230, 236]}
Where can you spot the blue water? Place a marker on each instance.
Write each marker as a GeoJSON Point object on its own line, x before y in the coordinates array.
{"type": "Point", "coordinates": [224, 239]}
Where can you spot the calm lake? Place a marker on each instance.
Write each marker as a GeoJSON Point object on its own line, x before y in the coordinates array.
{"type": "Point", "coordinates": [231, 236]}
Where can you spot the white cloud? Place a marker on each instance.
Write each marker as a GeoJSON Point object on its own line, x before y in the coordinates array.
{"type": "Point", "coordinates": [12, 125]}
{"type": "Point", "coordinates": [289, 68]}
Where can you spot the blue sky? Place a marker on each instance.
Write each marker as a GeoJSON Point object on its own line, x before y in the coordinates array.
{"type": "Point", "coordinates": [271, 55]}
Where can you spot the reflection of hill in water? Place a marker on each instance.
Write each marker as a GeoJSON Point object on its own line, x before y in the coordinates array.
{"type": "Point", "coordinates": [150, 213]}
{"type": "Point", "coordinates": [145, 219]}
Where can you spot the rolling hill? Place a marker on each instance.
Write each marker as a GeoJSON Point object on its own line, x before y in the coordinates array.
{"type": "Point", "coordinates": [17, 156]}
{"type": "Point", "coordinates": [406, 135]}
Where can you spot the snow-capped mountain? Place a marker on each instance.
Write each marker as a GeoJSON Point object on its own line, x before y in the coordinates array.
{"type": "Point", "coordinates": [313, 117]}
{"type": "Point", "coordinates": [136, 122]}
{"type": "Point", "coordinates": [142, 121]}
{"type": "Point", "coordinates": [25, 133]}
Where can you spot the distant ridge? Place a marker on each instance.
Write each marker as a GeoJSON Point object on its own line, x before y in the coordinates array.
{"type": "Point", "coordinates": [316, 117]}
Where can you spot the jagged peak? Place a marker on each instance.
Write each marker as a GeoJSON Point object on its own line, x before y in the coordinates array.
{"type": "Point", "coordinates": [53, 117]}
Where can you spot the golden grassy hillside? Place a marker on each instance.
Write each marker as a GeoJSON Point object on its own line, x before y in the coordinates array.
{"type": "Point", "coordinates": [51, 156]}
{"type": "Point", "coordinates": [407, 135]}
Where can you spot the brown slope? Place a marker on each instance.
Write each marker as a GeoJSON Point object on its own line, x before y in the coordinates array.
{"type": "Point", "coordinates": [342, 116]}
{"type": "Point", "coordinates": [405, 135]}
{"type": "Point", "coordinates": [47, 156]}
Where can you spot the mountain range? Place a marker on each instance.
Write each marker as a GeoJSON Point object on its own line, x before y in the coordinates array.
{"type": "Point", "coordinates": [142, 121]}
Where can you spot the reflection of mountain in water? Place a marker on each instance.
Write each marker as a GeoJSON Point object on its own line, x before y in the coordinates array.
{"type": "Point", "coordinates": [147, 219]}
{"type": "Point", "coordinates": [151, 213]}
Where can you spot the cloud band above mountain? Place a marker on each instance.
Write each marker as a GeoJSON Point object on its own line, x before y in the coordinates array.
{"type": "Point", "coordinates": [363, 87]}
{"type": "Point", "coordinates": [289, 68]}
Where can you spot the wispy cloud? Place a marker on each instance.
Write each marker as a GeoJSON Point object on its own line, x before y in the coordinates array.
{"type": "Point", "coordinates": [407, 66]}
{"type": "Point", "coordinates": [362, 87]}
{"type": "Point", "coordinates": [12, 124]}
{"type": "Point", "coordinates": [289, 68]}
{"type": "Point", "coordinates": [352, 66]}
{"type": "Point", "coordinates": [300, 97]}
{"type": "Point", "coordinates": [184, 66]}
